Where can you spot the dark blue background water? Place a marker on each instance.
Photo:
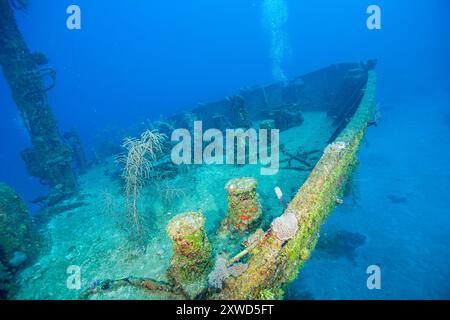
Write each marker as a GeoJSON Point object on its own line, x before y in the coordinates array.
{"type": "Point", "coordinates": [134, 60]}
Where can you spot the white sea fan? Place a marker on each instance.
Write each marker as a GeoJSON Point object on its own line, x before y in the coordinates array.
{"type": "Point", "coordinates": [286, 226]}
{"type": "Point", "coordinates": [219, 274]}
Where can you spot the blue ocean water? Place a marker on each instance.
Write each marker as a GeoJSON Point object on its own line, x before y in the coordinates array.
{"type": "Point", "coordinates": [400, 208]}
{"type": "Point", "coordinates": [131, 62]}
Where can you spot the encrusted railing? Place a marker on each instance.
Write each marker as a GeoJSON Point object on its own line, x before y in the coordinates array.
{"type": "Point", "coordinates": [282, 250]}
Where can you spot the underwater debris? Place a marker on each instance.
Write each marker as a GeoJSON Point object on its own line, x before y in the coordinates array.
{"type": "Point", "coordinates": [239, 147]}
{"type": "Point", "coordinates": [57, 201]}
{"type": "Point", "coordinates": [244, 208]}
{"type": "Point", "coordinates": [240, 113]}
{"type": "Point", "coordinates": [221, 122]}
{"type": "Point", "coordinates": [191, 249]}
{"type": "Point", "coordinates": [40, 74]}
{"type": "Point", "coordinates": [164, 126]}
{"type": "Point", "coordinates": [137, 167]}
{"type": "Point", "coordinates": [97, 287]}
{"type": "Point", "coordinates": [287, 116]}
{"type": "Point", "coordinates": [164, 168]}
{"type": "Point", "coordinates": [64, 207]}
{"type": "Point", "coordinates": [268, 124]}
{"type": "Point", "coordinates": [279, 194]}
{"type": "Point", "coordinates": [189, 119]}
{"type": "Point", "coordinates": [341, 244]}
{"type": "Point", "coordinates": [370, 64]}
{"type": "Point", "coordinates": [344, 111]}
{"type": "Point", "coordinates": [254, 238]}
{"type": "Point", "coordinates": [73, 140]}
{"type": "Point", "coordinates": [301, 156]}
{"type": "Point", "coordinates": [250, 244]}
{"type": "Point", "coordinates": [39, 58]}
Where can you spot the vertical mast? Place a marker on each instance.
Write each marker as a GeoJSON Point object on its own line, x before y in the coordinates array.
{"type": "Point", "coordinates": [49, 158]}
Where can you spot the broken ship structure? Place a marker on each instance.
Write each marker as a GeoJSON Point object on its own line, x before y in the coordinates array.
{"type": "Point", "coordinates": [51, 157]}
{"type": "Point", "coordinates": [281, 251]}
{"type": "Point", "coordinates": [273, 258]}
{"type": "Point", "coordinates": [270, 258]}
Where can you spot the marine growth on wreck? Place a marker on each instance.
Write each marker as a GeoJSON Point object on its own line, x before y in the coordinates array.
{"type": "Point", "coordinates": [220, 231]}
{"type": "Point", "coordinates": [221, 201]}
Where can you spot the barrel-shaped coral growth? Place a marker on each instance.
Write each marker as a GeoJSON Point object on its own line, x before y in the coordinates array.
{"type": "Point", "coordinates": [244, 208]}
{"type": "Point", "coordinates": [191, 249]}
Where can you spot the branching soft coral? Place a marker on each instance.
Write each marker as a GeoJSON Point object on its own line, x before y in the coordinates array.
{"type": "Point", "coordinates": [169, 193]}
{"type": "Point", "coordinates": [138, 163]}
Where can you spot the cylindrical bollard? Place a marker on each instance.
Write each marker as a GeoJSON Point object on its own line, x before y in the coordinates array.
{"type": "Point", "coordinates": [191, 256]}
{"type": "Point", "coordinates": [244, 208]}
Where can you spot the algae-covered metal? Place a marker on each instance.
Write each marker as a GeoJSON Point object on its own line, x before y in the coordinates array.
{"type": "Point", "coordinates": [191, 251]}
{"type": "Point", "coordinates": [244, 208]}
{"type": "Point", "coordinates": [50, 158]}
